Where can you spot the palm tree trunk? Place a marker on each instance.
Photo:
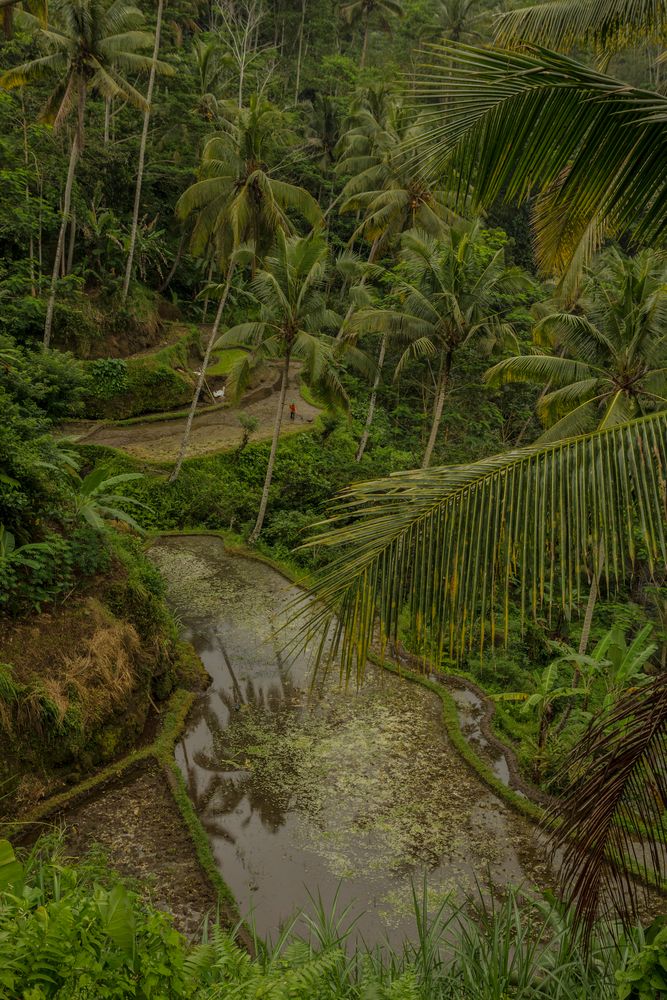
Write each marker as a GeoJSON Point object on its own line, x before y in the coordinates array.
{"type": "Point", "coordinates": [26, 162]}
{"type": "Point", "coordinates": [272, 455]}
{"type": "Point", "coordinates": [70, 243]}
{"type": "Point", "coordinates": [8, 21]}
{"type": "Point", "coordinates": [77, 145]}
{"type": "Point", "coordinates": [209, 278]}
{"type": "Point", "coordinates": [441, 395]}
{"type": "Point", "coordinates": [40, 249]}
{"type": "Point", "coordinates": [300, 52]}
{"type": "Point", "coordinates": [142, 154]}
{"type": "Point", "coordinates": [177, 259]}
{"type": "Point", "coordinates": [364, 47]}
{"type": "Point", "coordinates": [371, 406]}
{"type": "Point", "coordinates": [202, 375]}
{"type": "Point", "coordinates": [107, 119]}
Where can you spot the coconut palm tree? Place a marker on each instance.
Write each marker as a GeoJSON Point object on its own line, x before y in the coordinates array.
{"type": "Point", "coordinates": [456, 20]}
{"type": "Point", "coordinates": [387, 185]}
{"type": "Point", "coordinates": [237, 198]}
{"type": "Point", "coordinates": [537, 123]}
{"type": "Point", "coordinates": [609, 364]}
{"type": "Point", "coordinates": [293, 314]}
{"type": "Point", "coordinates": [390, 191]}
{"type": "Point", "coordinates": [451, 295]}
{"type": "Point", "coordinates": [609, 360]}
{"type": "Point", "coordinates": [236, 202]}
{"type": "Point", "coordinates": [88, 45]}
{"type": "Point", "coordinates": [155, 66]}
{"type": "Point", "coordinates": [362, 11]}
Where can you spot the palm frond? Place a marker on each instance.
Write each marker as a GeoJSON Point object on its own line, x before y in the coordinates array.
{"type": "Point", "coordinates": [493, 116]}
{"type": "Point", "coordinates": [537, 368]}
{"type": "Point", "coordinates": [617, 784]}
{"type": "Point", "coordinates": [604, 23]}
{"type": "Point", "coordinates": [446, 546]}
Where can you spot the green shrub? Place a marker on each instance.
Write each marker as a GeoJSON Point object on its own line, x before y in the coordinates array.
{"type": "Point", "coordinates": [108, 377]}
{"type": "Point", "coordinates": [130, 388]}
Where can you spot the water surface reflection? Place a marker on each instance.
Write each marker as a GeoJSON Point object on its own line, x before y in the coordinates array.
{"type": "Point", "coordinates": [307, 791]}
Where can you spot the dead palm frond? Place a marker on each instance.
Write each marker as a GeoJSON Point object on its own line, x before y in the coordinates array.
{"type": "Point", "coordinates": [618, 785]}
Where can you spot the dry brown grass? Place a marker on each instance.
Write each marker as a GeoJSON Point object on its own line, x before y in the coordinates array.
{"type": "Point", "coordinates": [97, 673]}
{"type": "Point", "coordinates": [106, 672]}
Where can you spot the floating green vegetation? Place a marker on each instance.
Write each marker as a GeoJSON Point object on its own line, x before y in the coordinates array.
{"type": "Point", "coordinates": [366, 777]}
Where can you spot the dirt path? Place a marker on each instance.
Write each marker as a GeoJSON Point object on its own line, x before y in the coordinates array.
{"type": "Point", "coordinates": [159, 440]}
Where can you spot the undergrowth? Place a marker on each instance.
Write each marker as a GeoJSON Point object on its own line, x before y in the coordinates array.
{"type": "Point", "coordinates": [74, 930]}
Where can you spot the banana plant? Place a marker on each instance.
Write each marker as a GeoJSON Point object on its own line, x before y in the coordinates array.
{"type": "Point", "coordinates": [95, 500]}
{"type": "Point", "coordinates": [20, 554]}
{"type": "Point", "coordinates": [548, 692]}
{"type": "Point", "coordinates": [626, 660]}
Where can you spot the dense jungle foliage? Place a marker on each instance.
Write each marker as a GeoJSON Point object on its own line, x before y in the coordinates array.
{"type": "Point", "coordinates": [429, 234]}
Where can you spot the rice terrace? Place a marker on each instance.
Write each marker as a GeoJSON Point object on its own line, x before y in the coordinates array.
{"type": "Point", "coordinates": [333, 500]}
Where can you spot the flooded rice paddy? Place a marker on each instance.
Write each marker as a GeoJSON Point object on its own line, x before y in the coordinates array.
{"type": "Point", "coordinates": [308, 791]}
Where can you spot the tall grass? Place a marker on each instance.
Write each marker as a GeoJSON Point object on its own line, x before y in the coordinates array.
{"type": "Point", "coordinates": [74, 929]}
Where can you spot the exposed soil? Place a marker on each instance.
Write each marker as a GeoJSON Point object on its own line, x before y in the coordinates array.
{"type": "Point", "coordinates": [142, 834]}
{"type": "Point", "coordinates": [159, 440]}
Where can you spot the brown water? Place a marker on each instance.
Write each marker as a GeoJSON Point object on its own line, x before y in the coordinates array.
{"type": "Point", "coordinates": [312, 793]}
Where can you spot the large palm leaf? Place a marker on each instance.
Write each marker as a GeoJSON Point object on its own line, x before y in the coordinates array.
{"type": "Point", "coordinates": [604, 23]}
{"type": "Point", "coordinates": [511, 124]}
{"type": "Point", "coordinates": [618, 779]}
{"type": "Point", "coordinates": [448, 546]}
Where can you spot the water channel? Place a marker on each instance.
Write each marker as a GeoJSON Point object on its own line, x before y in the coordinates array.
{"type": "Point", "coordinates": [305, 793]}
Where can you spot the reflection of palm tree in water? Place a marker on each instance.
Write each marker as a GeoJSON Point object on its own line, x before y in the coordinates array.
{"type": "Point", "coordinates": [229, 782]}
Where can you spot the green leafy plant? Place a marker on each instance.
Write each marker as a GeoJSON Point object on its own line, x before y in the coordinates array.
{"type": "Point", "coordinates": [96, 502]}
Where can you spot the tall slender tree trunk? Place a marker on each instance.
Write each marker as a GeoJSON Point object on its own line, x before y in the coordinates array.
{"type": "Point", "coordinates": [177, 259]}
{"type": "Point", "coordinates": [440, 396]}
{"type": "Point", "coordinates": [26, 159]}
{"type": "Point", "coordinates": [185, 440]}
{"type": "Point", "coordinates": [8, 21]}
{"type": "Point", "coordinates": [142, 154]}
{"type": "Point", "coordinates": [272, 455]}
{"type": "Point", "coordinates": [209, 277]}
{"type": "Point", "coordinates": [371, 405]}
{"type": "Point", "coordinates": [40, 254]}
{"type": "Point", "coordinates": [364, 47]}
{"type": "Point", "coordinates": [300, 52]}
{"type": "Point", "coordinates": [107, 119]}
{"type": "Point", "coordinates": [75, 152]}
{"type": "Point", "coordinates": [70, 243]}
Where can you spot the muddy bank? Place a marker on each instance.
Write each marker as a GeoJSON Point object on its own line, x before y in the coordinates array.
{"type": "Point", "coordinates": [136, 824]}
{"type": "Point", "coordinates": [321, 791]}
